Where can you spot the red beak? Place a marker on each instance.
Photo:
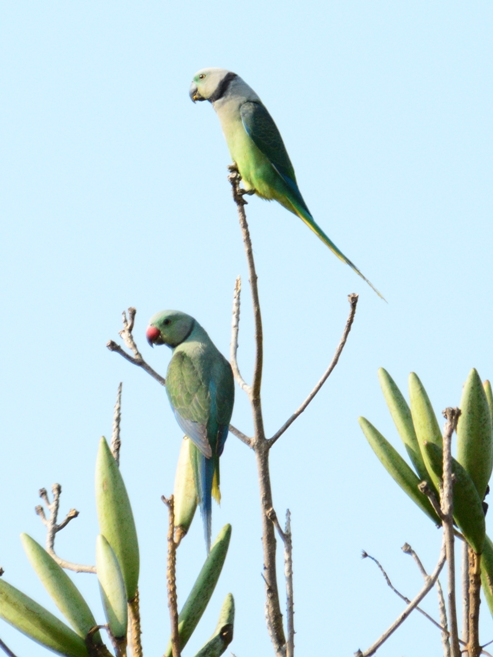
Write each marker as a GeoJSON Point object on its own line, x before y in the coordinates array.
{"type": "Point", "coordinates": [152, 335]}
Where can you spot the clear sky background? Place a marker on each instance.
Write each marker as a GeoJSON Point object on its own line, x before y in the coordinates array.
{"type": "Point", "coordinates": [114, 193]}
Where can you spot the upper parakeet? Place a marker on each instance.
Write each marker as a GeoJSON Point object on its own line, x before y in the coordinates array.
{"type": "Point", "coordinates": [200, 388]}
{"type": "Point", "coordinates": [256, 146]}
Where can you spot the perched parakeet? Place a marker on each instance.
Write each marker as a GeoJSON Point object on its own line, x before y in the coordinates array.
{"type": "Point", "coordinates": [200, 388]}
{"type": "Point", "coordinates": [256, 146]}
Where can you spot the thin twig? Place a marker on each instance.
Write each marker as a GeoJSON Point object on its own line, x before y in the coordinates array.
{"type": "Point", "coordinates": [6, 649]}
{"type": "Point", "coordinates": [365, 555]}
{"type": "Point", "coordinates": [287, 538]}
{"type": "Point", "coordinates": [171, 578]}
{"type": "Point", "coordinates": [451, 415]}
{"type": "Point", "coordinates": [407, 549]}
{"type": "Point", "coordinates": [353, 301]}
{"type": "Point", "coordinates": [235, 328]}
{"type": "Point", "coordinates": [239, 434]}
{"type": "Point", "coordinates": [140, 362]}
{"type": "Point", "coordinates": [53, 528]}
{"type": "Point", "coordinates": [259, 442]}
{"type": "Point", "coordinates": [411, 606]}
{"type": "Point", "coordinates": [115, 433]}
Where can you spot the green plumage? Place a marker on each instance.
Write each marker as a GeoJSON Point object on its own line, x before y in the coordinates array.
{"type": "Point", "coordinates": [257, 148]}
{"type": "Point", "coordinates": [200, 388]}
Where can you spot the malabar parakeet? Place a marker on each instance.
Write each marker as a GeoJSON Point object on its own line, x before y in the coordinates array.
{"type": "Point", "coordinates": [200, 388]}
{"type": "Point", "coordinates": [256, 146]}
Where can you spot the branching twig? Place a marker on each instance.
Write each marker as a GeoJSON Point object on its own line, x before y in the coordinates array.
{"type": "Point", "coordinates": [411, 606]}
{"type": "Point", "coordinates": [53, 528]}
{"type": "Point", "coordinates": [287, 539]}
{"type": "Point", "coordinates": [451, 415]}
{"type": "Point", "coordinates": [115, 433]}
{"type": "Point", "coordinates": [171, 578]}
{"type": "Point", "coordinates": [353, 300]}
{"type": "Point", "coordinates": [365, 555]}
{"type": "Point", "coordinates": [407, 549]}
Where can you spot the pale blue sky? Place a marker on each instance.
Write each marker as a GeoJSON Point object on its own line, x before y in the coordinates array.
{"type": "Point", "coordinates": [114, 193]}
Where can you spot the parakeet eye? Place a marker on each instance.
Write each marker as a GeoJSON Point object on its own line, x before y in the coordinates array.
{"type": "Point", "coordinates": [167, 321]}
{"type": "Point", "coordinates": [201, 76]}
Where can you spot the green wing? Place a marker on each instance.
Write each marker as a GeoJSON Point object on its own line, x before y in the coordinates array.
{"type": "Point", "coordinates": [264, 133]}
{"type": "Point", "coordinates": [189, 396]}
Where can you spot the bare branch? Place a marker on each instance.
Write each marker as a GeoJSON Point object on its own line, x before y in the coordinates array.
{"type": "Point", "coordinates": [115, 433]}
{"type": "Point", "coordinates": [451, 415]}
{"type": "Point", "coordinates": [235, 328]}
{"type": "Point", "coordinates": [238, 196]}
{"type": "Point", "coordinates": [411, 606]}
{"type": "Point", "coordinates": [287, 539]}
{"type": "Point", "coordinates": [465, 592]}
{"type": "Point", "coordinates": [473, 647]}
{"type": "Point", "coordinates": [239, 434]}
{"type": "Point", "coordinates": [134, 629]}
{"type": "Point", "coordinates": [53, 528]}
{"type": "Point", "coordinates": [171, 578]}
{"type": "Point", "coordinates": [140, 362]}
{"type": "Point", "coordinates": [353, 301]}
{"type": "Point", "coordinates": [259, 442]}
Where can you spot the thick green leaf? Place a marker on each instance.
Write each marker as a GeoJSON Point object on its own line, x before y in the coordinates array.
{"type": "Point", "coordinates": [203, 588]}
{"type": "Point", "coordinates": [397, 468]}
{"type": "Point", "coordinates": [112, 587]}
{"type": "Point", "coordinates": [184, 494]}
{"type": "Point", "coordinates": [468, 508]}
{"type": "Point", "coordinates": [116, 521]}
{"type": "Point", "coordinates": [223, 634]}
{"type": "Point", "coordinates": [487, 572]}
{"type": "Point", "coordinates": [401, 414]}
{"type": "Point", "coordinates": [424, 419]}
{"type": "Point", "coordinates": [474, 431]}
{"type": "Point", "coordinates": [62, 590]}
{"type": "Point", "coordinates": [38, 623]}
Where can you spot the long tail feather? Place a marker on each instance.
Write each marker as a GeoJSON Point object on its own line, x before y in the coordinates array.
{"type": "Point", "coordinates": [311, 223]}
{"type": "Point", "coordinates": [204, 476]}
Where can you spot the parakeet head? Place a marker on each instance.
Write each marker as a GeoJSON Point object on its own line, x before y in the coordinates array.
{"type": "Point", "coordinates": [210, 84]}
{"type": "Point", "coordinates": [169, 327]}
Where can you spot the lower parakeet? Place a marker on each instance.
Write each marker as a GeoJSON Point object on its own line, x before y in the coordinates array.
{"type": "Point", "coordinates": [200, 388]}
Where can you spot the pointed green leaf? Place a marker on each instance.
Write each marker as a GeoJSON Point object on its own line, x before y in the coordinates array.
{"type": "Point", "coordinates": [62, 590]}
{"type": "Point", "coordinates": [397, 468]}
{"type": "Point", "coordinates": [468, 508]}
{"type": "Point", "coordinates": [38, 623]}
{"type": "Point", "coordinates": [489, 397]}
{"type": "Point", "coordinates": [474, 431]}
{"type": "Point", "coordinates": [401, 414]}
{"type": "Point", "coordinates": [487, 572]}
{"type": "Point", "coordinates": [203, 588]}
{"type": "Point", "coordinates": [112, 588]}
{"type": "Point", "coordinates": [223, 634]}
{"type": "Point", "coordinates": [424, 419]}
{"type": "Point", "coordinates": [185, 494]}
{"type": "Point", "coordinates": [116, 520]}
